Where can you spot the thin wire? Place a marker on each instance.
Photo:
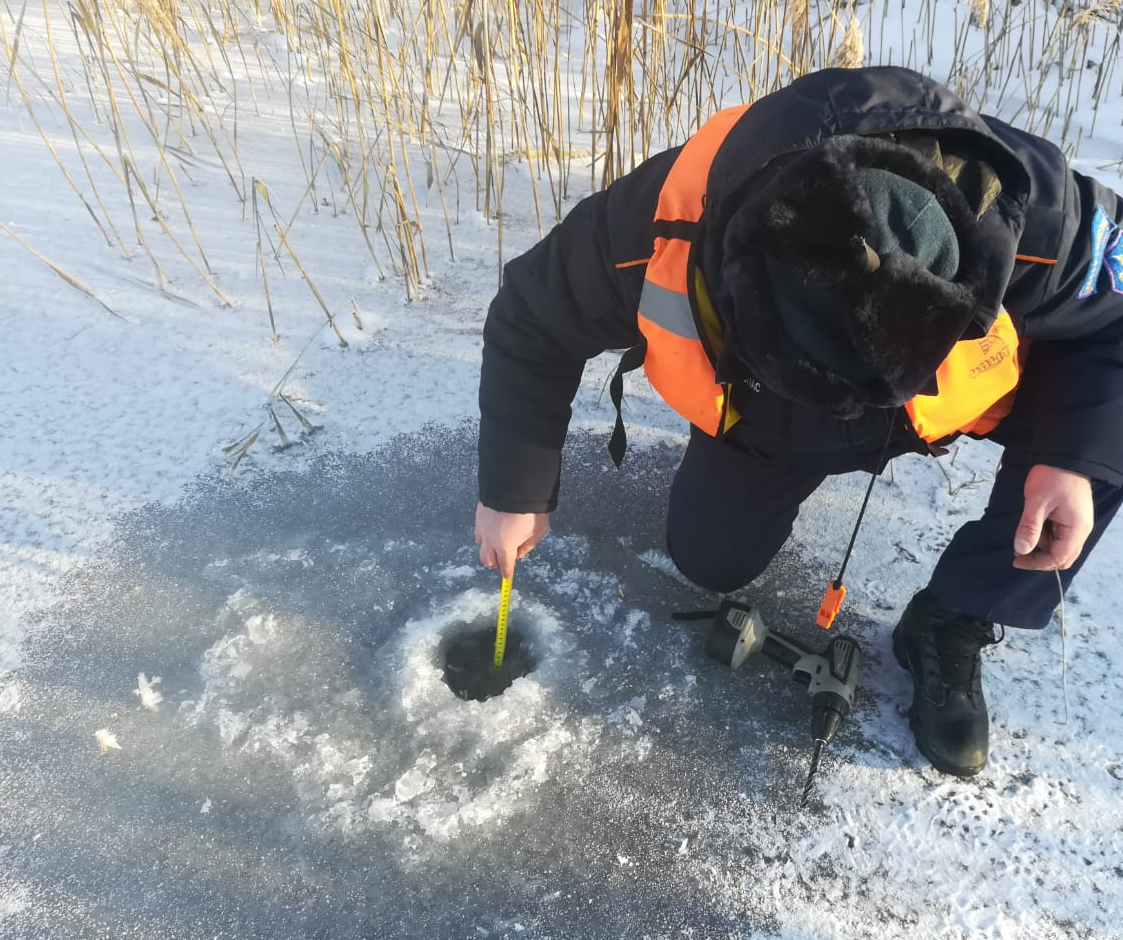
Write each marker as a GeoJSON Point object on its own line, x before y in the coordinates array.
{"type": "Point", "coordinates": [1064, 651]}
{"type": "Point", "coordinates": [865, 501]}
{"type": "Point", "coordinates": [854, 532]}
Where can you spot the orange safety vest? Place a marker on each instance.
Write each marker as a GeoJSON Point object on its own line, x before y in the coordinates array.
{"type": "Point", "coordinates": [976, 381]}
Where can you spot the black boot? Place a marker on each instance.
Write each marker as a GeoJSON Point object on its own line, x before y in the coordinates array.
{"type": "Point", "coordinates": [940, 647]}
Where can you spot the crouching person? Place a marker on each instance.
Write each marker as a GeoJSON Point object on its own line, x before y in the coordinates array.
{"type": "Point", "coordinates": [851, 268]}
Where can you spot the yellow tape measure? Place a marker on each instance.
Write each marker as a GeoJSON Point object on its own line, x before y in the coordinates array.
{"type": "Point", "coordinates": [501, 624]}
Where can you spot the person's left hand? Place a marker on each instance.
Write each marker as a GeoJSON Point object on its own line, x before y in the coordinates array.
{"type": "Point", "coordinates": [1056, 520]}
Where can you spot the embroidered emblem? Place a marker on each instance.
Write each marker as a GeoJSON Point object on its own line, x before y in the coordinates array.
{"type": "Point", "coordinates": [1107, 251]}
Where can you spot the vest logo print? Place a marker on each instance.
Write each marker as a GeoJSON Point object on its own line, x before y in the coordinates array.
{"type": "Point", "coordinates": [1107, 251]}
{"type": "Point", "coordinates": [992, 352]}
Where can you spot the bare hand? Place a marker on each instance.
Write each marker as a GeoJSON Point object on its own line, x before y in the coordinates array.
{"type": "Point", "coordinates": [1056, 521]}
{"type": "Point", "coordinates": [504, 537]}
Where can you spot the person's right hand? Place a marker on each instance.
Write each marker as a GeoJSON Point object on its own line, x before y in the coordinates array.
{"type": "Point", "coordinates": [504, 537]}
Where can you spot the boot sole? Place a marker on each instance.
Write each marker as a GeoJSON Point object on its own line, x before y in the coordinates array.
{"type": "Point", "coordinates": [900, 652]}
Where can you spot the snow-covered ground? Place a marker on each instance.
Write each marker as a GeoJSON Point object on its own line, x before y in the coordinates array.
{"type": "Point", "coordinates": [308, 774]}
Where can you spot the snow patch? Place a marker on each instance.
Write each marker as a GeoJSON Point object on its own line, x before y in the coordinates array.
{"type": "Point", "coordinates": [149, 697]}
{"type": "Point", "coordinates": [660, 561]}
{"type": "Point", "coordinates": [9, 694]}
{"type": "Point", "coordinates": [15, 898]}
{"type": "Point", "coordinates": [457, 573]}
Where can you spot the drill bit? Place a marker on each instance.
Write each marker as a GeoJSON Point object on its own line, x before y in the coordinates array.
{"type": "Point", "coordinates": [815, 755]}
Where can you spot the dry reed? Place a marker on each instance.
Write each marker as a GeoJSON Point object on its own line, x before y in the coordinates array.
{"type": "Point", "coordinates": [382, 95]}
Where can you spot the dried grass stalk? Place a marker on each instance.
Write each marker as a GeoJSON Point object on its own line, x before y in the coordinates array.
{"type": "Point", "coordinates": [798, 15]}
{"type": "Point", "coordinates": [980, 12]}
{"type": "Point", "coordinates": [70, 279]}
{"type": "Point", "coordinates": [1098, 11]}
{"type": "Point", "coordinates": [850, 53]}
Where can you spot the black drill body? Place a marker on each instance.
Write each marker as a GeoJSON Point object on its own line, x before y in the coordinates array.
{"type": "Point", "coordinates": [830, 677]}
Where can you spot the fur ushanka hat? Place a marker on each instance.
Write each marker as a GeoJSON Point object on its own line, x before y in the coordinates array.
{"type": "Point", "coordinates": [849, 275]}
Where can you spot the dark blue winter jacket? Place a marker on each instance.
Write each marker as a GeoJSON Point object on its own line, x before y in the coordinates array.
{"type": "Point", "coordinates": [1057, 266]}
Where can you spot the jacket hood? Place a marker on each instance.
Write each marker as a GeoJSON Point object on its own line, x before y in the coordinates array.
{"type": "Point", "coordinates": [800, 127]}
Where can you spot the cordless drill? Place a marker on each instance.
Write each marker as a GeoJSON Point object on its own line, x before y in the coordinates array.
{"type": "Point", "coordinates": [830, 677]}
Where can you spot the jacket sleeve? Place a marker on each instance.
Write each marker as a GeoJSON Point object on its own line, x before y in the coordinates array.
{"type": "Point", "coordinates": [561, 303]}
{"type": "Point", "coordinates": [1067, 303]}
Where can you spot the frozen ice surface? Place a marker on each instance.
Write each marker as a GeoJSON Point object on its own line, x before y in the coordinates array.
{"type": "Point", "coordinates": [310, 774]}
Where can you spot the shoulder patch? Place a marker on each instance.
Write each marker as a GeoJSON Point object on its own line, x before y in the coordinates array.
{"type": "Point", "coordinates": [1107, 251]}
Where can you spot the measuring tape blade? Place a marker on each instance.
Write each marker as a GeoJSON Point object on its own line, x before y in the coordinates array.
{"type": "Point", "coordinates": [501, 624]}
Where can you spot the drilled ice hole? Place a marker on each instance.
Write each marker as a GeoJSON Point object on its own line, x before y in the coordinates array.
{"type": "Point", "coordinates": [467, 656]}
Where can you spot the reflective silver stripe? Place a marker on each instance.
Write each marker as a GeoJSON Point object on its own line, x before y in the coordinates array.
{"type": "Point", "coordinates": [669, 309]}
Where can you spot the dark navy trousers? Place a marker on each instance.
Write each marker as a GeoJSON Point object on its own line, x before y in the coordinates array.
{"type": "Point", "coordinates": [730, 512]}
